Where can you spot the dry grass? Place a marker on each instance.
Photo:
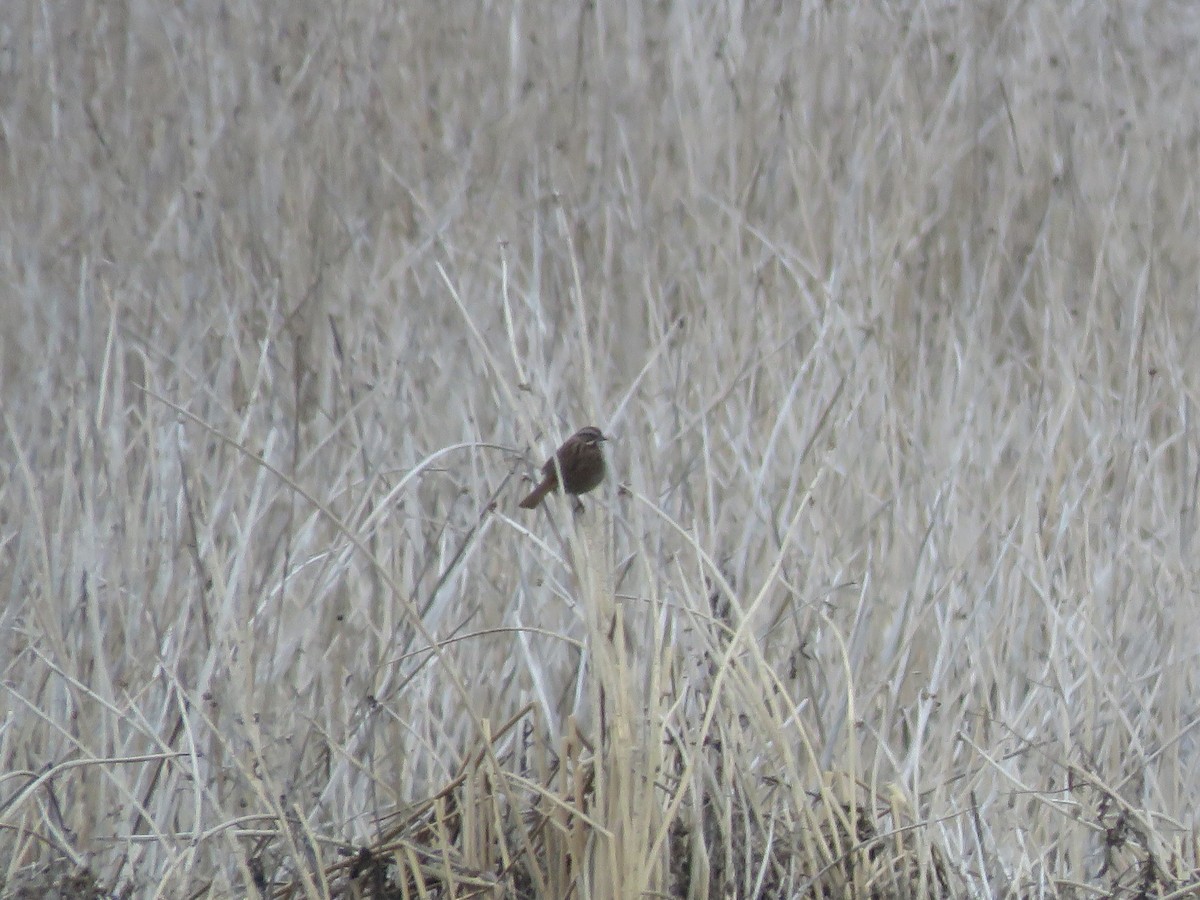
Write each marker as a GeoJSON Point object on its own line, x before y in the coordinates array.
{"type": "Point", "coordinates": [891, 308]}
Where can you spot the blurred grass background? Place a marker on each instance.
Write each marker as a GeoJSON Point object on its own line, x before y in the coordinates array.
{"type": "Point", "coordinates": [890, 308]}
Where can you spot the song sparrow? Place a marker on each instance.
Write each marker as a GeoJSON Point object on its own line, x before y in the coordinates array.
{"type": "Point", "coordinates": [581, 462]}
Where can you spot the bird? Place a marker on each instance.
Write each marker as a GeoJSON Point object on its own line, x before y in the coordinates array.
{"type": "Point", "coordinates": [581, 462]}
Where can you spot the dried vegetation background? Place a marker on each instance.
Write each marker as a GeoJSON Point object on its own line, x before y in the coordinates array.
{"type": "Point", "coordinates": [891, 309]}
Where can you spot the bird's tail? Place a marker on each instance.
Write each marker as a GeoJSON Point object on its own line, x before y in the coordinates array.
{"type": "Point", "coordinates": [537, 494]}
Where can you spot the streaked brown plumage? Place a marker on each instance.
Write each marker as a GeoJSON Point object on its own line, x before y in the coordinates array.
{"type": "Point", "coordinates": [581, 461]}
